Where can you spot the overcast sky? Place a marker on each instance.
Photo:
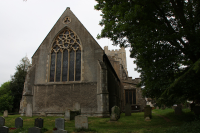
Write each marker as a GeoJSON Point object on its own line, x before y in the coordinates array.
{"type": "Point", "coordinates": [25, 24]}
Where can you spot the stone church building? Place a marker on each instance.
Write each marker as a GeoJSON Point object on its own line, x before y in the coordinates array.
{"type": "Point", "coordinates": [70, 68]}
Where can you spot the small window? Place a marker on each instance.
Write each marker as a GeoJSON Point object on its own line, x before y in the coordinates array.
{"type": "Point", "coordinates": [130, 96]}
{"type": "Point", "coordinates": [65, 57]}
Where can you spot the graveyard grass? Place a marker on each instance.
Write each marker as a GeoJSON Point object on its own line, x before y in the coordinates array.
{"type": "Point", "coordinates": [126, 124]}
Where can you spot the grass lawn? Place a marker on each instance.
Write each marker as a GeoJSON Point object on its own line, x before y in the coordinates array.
{"type": "Point", "coordinates": [160, 122]}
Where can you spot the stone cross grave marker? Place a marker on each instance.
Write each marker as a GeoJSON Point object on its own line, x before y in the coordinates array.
{"type": "Point", "coordinates": [81, 122]}
{"type": "Point", "coordinates": [18, 122]}
{"type": "Point", "coordinates": [5, 113]}
{"type": "Point", "coordinates": [4, 129]}
{"type": "Point", "coordinates": [2, 121]}
{"type": "Point", "coordinates": [128, 109]}
{"type": "Point", "coordinates": [34, 130]}
{"type": "Point", "coordinates": [115, 113]}
{"type": "Point", "coordinates": [60, 123]}
{"type": "Point", "coordinates": [39, 122]}
{"type": "Point", "coordinates": [29, 110]}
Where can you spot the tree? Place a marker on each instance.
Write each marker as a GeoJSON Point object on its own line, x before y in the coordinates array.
{"type": "Point", "coordinates": [6, 99]}
{"type": "Point", "coordinates": [164, 36]}
{"type": "Point", "coordinates": [17, 81]}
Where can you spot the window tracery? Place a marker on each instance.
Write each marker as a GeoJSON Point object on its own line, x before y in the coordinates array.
{"type": "Point", "coordinates": [65, 57]}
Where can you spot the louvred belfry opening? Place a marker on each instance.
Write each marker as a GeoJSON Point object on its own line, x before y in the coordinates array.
{"type": "Point", "coordinates": [66, 57]}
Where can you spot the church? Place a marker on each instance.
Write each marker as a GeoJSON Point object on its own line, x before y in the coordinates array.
{"type": "Point", "coordinates": [69, 68]}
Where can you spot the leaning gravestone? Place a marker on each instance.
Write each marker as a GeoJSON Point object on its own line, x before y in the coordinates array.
{"type": "Point", "coordinates": [81, 122]}
{"type": "Point", "coordinates": [34, 130]}
{"type": "Point", "coordinates": [2, 121]}
{"type": "Point", "coordinates": [115, 113]}
{"type": "Point", "coordinates": [128, 109]}
{"type": "Point", "coordinates": [39, 122]}
{"type": "Point", "coordinates": [178, 110]}
{"type": "Point", "coordinates": [29, 110]}
{"type": "Point", "coordinates": [4, 129]}
{"type": "Point", "coordinates": [18, 122]}
{"type": "Point", "coordinates": [147, 112]}
{"type": "Point", "coordinates": [60, 123]}
{"type": "Point", "coordinates": [5, 113]}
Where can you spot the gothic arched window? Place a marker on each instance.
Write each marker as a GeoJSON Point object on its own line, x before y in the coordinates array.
{"type": "Point", "coordinates": [65, 57]}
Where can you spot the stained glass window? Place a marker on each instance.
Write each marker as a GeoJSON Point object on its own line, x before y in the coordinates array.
{"type": "Point", "coordinates": [52, 70]}
{"type": "Point", "coordinates": [78, 65]}
{"type": "Point", "coordinates": [67, 64]}
{"type": "Point", "coordinates": [58, 66]}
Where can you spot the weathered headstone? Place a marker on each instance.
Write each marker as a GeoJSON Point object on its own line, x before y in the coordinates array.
{"type": "Point", "coordinates": [60, 123]}
{"type": "Point", "coordinates": [128, 109]}
{"type": "Point", "coordinates": [147, 112]}
{"type": "Point", "coordinates": [39, 122]}
{"type": "Point", "coordinates": [60, 131]}
{"type": "Point", "coordinates": [157, 107]}
{"type": "Point", "coordinates": [5, 113]}
{"type": "Point", "coordinates": [67, 115]}
{"type": "Point", "coordinates": [115, 113]}
{"type": "Point", "coordinates": [4, 129]}
{"type": "Point", "coordinates": [2, 121]}
{"type": "Point", "coordinates": [147, 119]}
{"type": "Point", "coordinates": [34, 130]}
{"type": "Point", "coordinates": [43, 114]}
{"type": "Point", "coordinates": [76, 106]}
{"type": "Point", "coordinates": [18, 122]}
{"type": "Point", "coordinates": [81, 122]}
{"type": "Point", "coordinates": [29, 110]}
{"type": "Point", "coordinates": [178, 110]}
{"type": "Point", "coordinates": [197, 110]}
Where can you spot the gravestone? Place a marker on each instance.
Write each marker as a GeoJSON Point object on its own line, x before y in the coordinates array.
{"type": "Point", "coordinates": [43, 114]}
{"type": "Point", "coordinates": [178, 110]}
{"type": "Point", "coordinates": [81, 122]}
{"type": "Point", "coordinates": [147, 119]}
{"type": "Point", "coordinates": [197, 110]}
{"type": "Point", "coordinates": [39, 122]}
{"type": "Point", "coordinates": [67, 115]}
{"type": "Point", "coordinates": [34, 130]}
{"type": "Point", "coordinates": [4, 129]}
{"type": "Point", "coordinates": [128, 109]}
{"type": "Point", "coordinates": [60, 123]}
{"type": "Point", "coordinates": [60, 131]}
{"type": "Point", "coordinates": [157, 107]}
{"type": "Point", "coordinates": [76, 106]}
{"type": "Point", "coordinates": [18, 122]}
{"type": "Point", "coordinates": [29, 110]}
{"type": "Point", "coordinates": [5, 113]}
{"type": "Point", "coordinates": [115, 113]}
{"type": "Point", "coordinates": [147, 112]}
{"type": "Point", "coordinates": [2, 121]}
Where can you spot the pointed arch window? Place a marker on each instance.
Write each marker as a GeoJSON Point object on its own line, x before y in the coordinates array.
{"type": "Point", "coordinates": [65, 57]}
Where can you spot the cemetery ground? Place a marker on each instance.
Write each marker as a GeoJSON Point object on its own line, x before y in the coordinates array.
{"type": "Point", "coordinates": [162, 121]}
